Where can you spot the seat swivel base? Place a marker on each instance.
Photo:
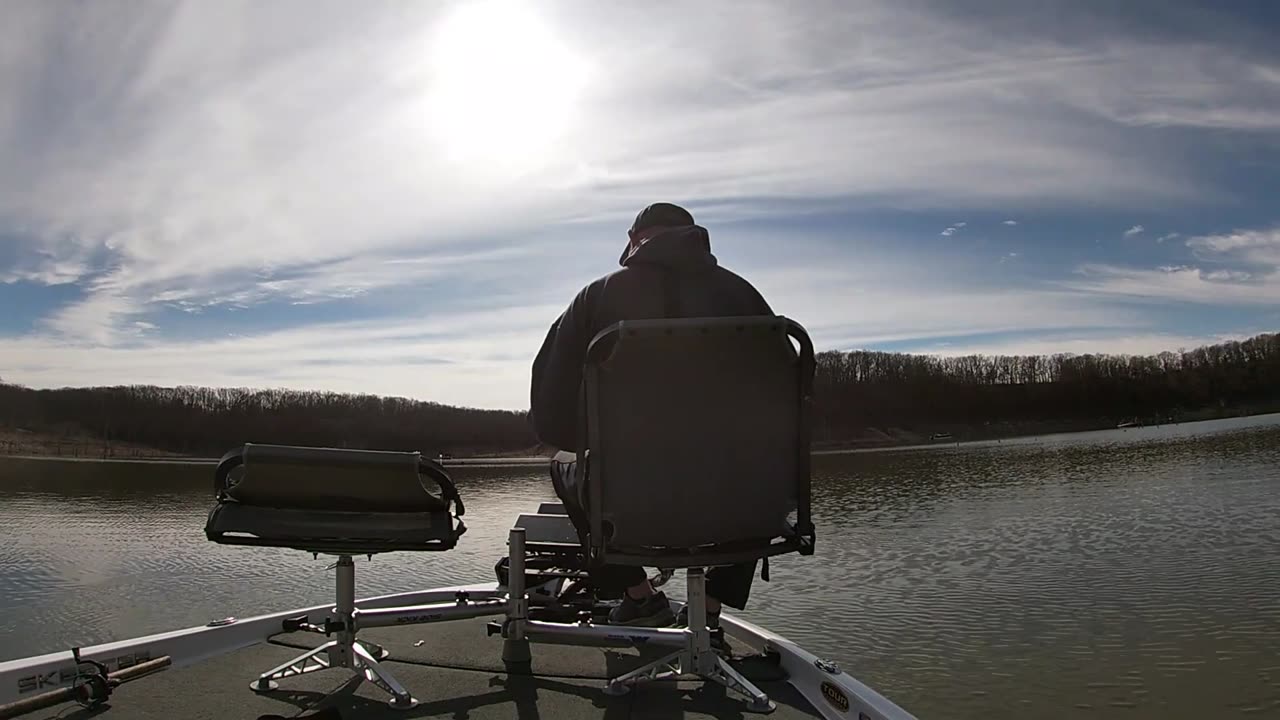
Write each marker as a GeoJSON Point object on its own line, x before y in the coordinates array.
{"type": "Point", "coordinates": [345, 652]}
{"type": "Point", "coordinates": [335, 653]}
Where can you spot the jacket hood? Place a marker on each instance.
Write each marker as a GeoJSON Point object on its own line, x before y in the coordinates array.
{"type": "Point", "coordinates": [682, 248]}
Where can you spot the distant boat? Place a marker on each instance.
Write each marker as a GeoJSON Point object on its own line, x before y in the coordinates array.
{"type": "Point", "coordinates": [940, 436]}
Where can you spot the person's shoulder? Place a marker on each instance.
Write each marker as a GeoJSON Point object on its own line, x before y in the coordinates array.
{"type": "Point", "coordinates": [588, 300]}
{"type": "Point", "coordinates": [730, 276]}
{"type": "Point", "coordinates": [726, 272]}
{"type": "Point", "coordinates": [743, 288]}
{"type": "Point", "coordinates": [623, 275]}
{"type": "Point", "coordinates": [593, 288]}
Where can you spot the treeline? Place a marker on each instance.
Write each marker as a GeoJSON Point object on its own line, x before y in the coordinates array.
{"type": "Point", "coordinates": [854, 391]}
{"type": "Point", "coordinates": [209, 421]}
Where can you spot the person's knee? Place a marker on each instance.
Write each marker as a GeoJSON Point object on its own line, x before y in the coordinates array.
{"type": "Point", "coordinates": [617, 578]}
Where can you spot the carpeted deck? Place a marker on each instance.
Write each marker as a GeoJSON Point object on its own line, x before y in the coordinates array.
{"type": "Point", "coordinates": [456, 672]}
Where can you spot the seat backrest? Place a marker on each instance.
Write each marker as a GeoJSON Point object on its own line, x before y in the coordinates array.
{"type": "Point", "coordinates": [282, 476]}
{"type": "Point", "coordinates": [697, 432]}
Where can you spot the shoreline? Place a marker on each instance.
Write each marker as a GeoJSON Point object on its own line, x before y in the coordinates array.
{"type": "Point", "coordinates": [190, 460]}
{"type": "Point", "coordinates": [83, 451]}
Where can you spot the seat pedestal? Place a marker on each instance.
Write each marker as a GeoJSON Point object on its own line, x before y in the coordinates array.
{"type": "Point", "coordinates": [693, 659]}
{"type": "Point", "coordinates": [344, 652]}
{"type": "Point", "coordinates": [696, 658]}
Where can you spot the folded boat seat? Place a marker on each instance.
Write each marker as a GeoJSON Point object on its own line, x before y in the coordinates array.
{"type": "Point", "coordinates": [336, 501]}
{"type": "Point", "coordinates": [344, 503]}
{"type": "Point", "coordinates": [696, 454]}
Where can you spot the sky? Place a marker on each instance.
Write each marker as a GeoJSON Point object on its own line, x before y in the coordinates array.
{"type": "Point", "coordinates": [399, 198]}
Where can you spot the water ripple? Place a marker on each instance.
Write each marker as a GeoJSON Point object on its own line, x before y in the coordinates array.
{"type": "Point", "coordinates": [1127, 576]}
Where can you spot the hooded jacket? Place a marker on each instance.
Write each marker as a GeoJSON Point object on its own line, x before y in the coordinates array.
{"type": "Point", "coordinates": [676, 261]}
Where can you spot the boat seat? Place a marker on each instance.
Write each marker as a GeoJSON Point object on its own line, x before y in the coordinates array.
{"type": "Point", "coordinates": [342, 502]}
{"type": "Point", "coordinates": [336, 501]}
{"type": "Point", "coordinates": [696, 454]}
{"type": "Point", "coordinates": [697, 444]}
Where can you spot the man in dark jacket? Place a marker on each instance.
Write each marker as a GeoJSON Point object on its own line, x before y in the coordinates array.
{"type": "Point", "coordinates": [667, 271]}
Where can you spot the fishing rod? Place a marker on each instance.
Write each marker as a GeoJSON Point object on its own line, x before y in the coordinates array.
{"type": "Point", "coordinates": [90, 688]}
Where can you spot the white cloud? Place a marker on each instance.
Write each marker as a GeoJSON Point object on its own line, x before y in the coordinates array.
{"type": "Point", "coordinates": [482, 357]}
{"type": "Point", "coordinates": [478, 359]}
{"type": "Point", "coordinates": [1179, 283]}
{"type": "Point", "coordinates": [1198, 85]}
{"type": "Point", "coordinates": [1136, 229]}
{"type": "Point", "coordinates": [1228, 275]}
{"type": "Point", "coordinates": [1241, 267]}
{"type": "Point", "coordinates": [231, 154]}
{"type": "Point", "coordinates": [1010, 222]}
{"type": "Point", "coordinates": [1258, 247]}
{"type": "Point", "coordinates": [190, 156]}
{"type": "Point", "coordinates": [101, 319]}
{"type": "Point", "coordinates": [1168, 236]}
{"type": "Point", "coordinates": [852, 307]}
{"type": "Point", "coordinates": [57, 259]}
{"type": "Point", "coordinates": [1083, 344]}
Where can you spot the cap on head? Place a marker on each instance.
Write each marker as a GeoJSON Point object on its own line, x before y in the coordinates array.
{"type": "Point", "coordinates": [662, 215]}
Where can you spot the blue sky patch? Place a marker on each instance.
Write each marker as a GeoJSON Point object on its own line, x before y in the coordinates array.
{"type": "Point", "coordinates": [353, 200]}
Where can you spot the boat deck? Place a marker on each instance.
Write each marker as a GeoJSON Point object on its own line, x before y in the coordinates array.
{"type": "Point", "coordinates": [453, 669]}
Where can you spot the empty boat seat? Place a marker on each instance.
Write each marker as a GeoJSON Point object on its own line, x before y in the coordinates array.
{"type": "Point", "coordinates": [334, 501]}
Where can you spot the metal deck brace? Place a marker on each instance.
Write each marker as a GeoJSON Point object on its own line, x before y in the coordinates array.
{"type": "Point", "coordinates": [693, 658]}
{"type": "Point", "coordinates": [348, 651]}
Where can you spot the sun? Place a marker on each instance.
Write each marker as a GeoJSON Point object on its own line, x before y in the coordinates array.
{"type": "Point", "coordinates": [505, 89]}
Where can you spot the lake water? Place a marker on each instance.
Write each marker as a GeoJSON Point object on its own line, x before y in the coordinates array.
{"type": "Point", "coordinates": [1124, 574]}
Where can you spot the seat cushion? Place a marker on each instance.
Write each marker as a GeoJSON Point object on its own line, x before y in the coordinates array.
{"type": "Point", "coordinates": [549, 532]}
{"type": "Point", "coordinates": [315, 486]}
{"type": "Point", "coordinates": [330, 531]}
{"type": "Point", "coordinates": [711, 554]}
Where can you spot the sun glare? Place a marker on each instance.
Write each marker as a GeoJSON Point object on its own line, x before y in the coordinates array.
{"type": "Point", "coordinates": [506, 88]}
